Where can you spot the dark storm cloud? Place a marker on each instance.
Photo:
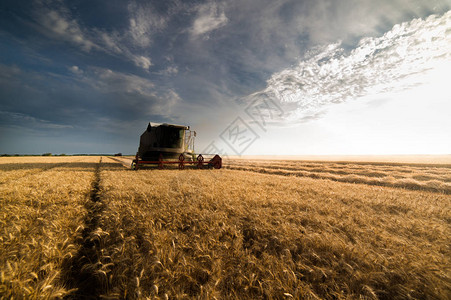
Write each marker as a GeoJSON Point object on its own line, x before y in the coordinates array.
{"type": "Point", "coordinates": [79, 95]}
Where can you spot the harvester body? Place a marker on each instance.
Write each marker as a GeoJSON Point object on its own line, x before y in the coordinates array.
{"type": "Point", "coordinates": [168, 140]}
{"type": "Point", "coordinates": [166, 144]}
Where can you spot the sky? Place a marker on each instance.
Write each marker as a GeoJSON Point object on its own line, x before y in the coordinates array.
{"type": "Point", "coordinates": [262, 77]}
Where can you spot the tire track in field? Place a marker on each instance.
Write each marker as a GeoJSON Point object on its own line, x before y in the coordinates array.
{"type": "Point", "coordinates": [83, 271]}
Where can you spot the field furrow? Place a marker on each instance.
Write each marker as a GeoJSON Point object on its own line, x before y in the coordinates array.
{"type": "Point", "coordinates": [81, 272]}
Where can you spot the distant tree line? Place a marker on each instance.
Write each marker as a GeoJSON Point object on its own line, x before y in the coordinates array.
{"type": "Point", "coordinates": [62, 154]}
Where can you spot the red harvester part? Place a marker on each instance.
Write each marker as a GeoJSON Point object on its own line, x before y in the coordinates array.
{"type": "Point", "coordinates": [215, 162]}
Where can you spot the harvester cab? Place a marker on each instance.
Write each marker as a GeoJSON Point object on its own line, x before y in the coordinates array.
{"type": "Point", "coordinates": [168, 144]}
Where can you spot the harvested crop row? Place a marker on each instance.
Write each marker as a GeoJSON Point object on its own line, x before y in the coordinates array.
{"type": "Point", "coordinates": [234, 234]}
{"type": "Point", "coordinates": [40, 215]}
{"type": "Point", "coordinates": [372, 163]}
{"type": "Point", "coordinates": [412, 181]}
{"type": "Point", "coordinates": [352, 167]}
{"type": "Point", "coordinates": [346, 167]}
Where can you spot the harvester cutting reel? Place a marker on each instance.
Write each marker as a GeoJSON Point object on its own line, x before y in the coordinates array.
{"type": "Point", "coordinates": [199, 162]}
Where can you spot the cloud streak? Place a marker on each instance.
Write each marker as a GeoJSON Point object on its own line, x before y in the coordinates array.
{"type": "Point", "coordinates": [13, 119]}
{"type": "Point", "coordinates": [144, 23]}
{"type": "Point", "coordinates": [210, 16]}
{"type": "Point", "coordinates": [388, 63]}
{"type": "Point", "coordinates": [134, 95]}
{"type": "Point", "coordinates": [58, 24]}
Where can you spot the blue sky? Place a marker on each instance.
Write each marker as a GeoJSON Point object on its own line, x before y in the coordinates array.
{"type": "Point", "coordinates": [251, 77]}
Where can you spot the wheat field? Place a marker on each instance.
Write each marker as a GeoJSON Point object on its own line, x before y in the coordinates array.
{"type": "Point", "coordinates": [414, 176]}
{"type": "Point", "coordinates": [86, 227]}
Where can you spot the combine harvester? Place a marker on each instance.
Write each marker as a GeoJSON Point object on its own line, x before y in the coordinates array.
{"type": "Point", "coordinates": [169, 144]}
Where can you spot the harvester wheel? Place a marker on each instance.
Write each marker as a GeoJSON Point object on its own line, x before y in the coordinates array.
{"type": "Point", "coordinates": [181, 161]}
{"type": "Point", "coordinates": [216, 161]}
{"type": "Point", "coordinates": [133, 165]}
{"type": "Point", "coordinates": [200, 161]}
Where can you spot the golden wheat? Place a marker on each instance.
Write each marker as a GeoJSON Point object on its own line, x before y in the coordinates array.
{"type": "Point", "coordinates": [84, 229]}
{"type": "Point", "coordinates": [431, 177]}
{"type": "Point", "coordinates": [235, 234]}
{"type": "Point", "coordinates": [41, 211]}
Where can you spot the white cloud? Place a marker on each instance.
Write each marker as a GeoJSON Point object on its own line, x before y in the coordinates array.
{"type": "Point", "coordinates": [144, 23]}
{"type": "Point", "coordinates": [171, 70]}
{"type": "Point", "coordinates": [395, 61]}
{"type": "Point", "coordinates": [210, 16]}
{"type": "Point", "coordinates": [132, 90]}
{"type": "Point", "coordinates": [76, 70]}
{"type": "Point", "coordinates": [112, 41]}
{"type": "Point", "coordinates": [272, 35]}
{"type": "Point", "coordinates": [168, 100]}
{"type": "Point", "coordinates": [111, 81]}
{"type": "Point", "coordinates": [142, 61]}
{"type": "Point", "coordinates": [58, 24]}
